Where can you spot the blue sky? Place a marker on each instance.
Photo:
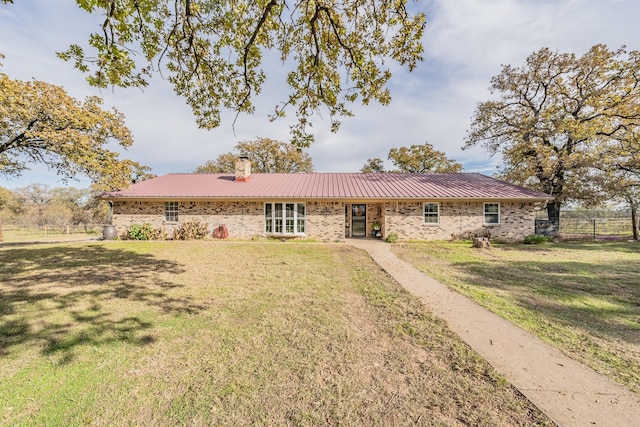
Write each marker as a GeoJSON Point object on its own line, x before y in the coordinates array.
{"type": "Point", "coordinates": [466, 43]}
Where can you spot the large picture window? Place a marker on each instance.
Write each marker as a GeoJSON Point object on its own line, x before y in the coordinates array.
{"type": "Point", "coordinates": [431, 213]}
{"type": "Point", "coordinates": [492, 213]}
{"type": "Point", "coordinates": [284, 218]}
{"type": "Point", "coordinates": [171, 211]}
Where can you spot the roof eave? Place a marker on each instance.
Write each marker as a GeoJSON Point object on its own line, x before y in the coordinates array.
{"type": "Point", "coordinates": [346, 198]}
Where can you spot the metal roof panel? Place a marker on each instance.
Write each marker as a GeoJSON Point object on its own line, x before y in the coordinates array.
{"type": "Point", "coordinates": [328, 186]}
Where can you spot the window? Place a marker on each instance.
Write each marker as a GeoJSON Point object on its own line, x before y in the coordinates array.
{"type": "Point", "coordinates": [284, 218]}
{"type": "Point", "coordinates": [431, 213]}
{"type": "Point", "coordinates": [278, 218]}
{"type": "Point", "coordinates": [171, 211]}
{"type": "Point", "coordinates": [289, 214]}
{"type": "Point", "coordinates": [300, 218]}
{"type": "Point", "coordinates": [492, 213]}
{"type": "Point", "coordinates": [268, 218]}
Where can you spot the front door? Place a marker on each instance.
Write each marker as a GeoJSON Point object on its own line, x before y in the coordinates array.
{"type": "Point", "coordinates": [359, 220]}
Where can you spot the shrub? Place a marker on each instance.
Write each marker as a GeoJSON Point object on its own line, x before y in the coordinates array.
{"type": "Point", "coordinates": [191, 230]}
{"type": "Point", "coordinates": [391, 238]}
{"type": "Point", "coordinates": [535, 239]}
{"type": "Point", "coordinates": [139, 232]}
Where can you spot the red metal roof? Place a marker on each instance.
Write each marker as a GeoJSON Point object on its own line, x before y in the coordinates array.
{"type": "Point", "coordinates": [327, 186]}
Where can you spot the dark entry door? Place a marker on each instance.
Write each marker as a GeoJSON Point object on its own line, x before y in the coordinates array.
{"type": "Point", "coordinates": [359, 220]}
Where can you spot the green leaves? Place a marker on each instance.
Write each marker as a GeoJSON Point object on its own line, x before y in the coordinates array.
{"type": "Point", "coordinates": [213, 51]}
{"type": "Point", "coordinates": [560, 121]}
{"type": "Point", "coordinates": [40, 123]}
{"type": "Point", "coordinates": [421, 159]}
{"type": "Point", "coordinates": [266, 156]}
{"type": "Point", "coordinates": [415, 159]}
{"type": "Point", "coordinates": [375, 165]}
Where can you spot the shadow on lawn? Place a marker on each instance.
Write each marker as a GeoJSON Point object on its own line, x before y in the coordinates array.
{"type": "Point", "coordinates": [580, 245]}
{"type": "Point", "coordinates": [602, 299]}
{"type": "Point", "coordinates": [61, 297]}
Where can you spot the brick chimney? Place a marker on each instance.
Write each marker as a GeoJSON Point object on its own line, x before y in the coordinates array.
{"type": "Point", "coordinates": [243, 169]}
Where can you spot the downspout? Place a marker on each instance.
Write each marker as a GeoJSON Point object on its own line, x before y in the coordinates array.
{"type": "Point", "coordinates": [110, 213]}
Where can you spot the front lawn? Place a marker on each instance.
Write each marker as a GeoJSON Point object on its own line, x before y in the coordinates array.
{"type": "Point", "coordinates": [583, 298]}
{"type": "Point", "coordinates": [213, 333]}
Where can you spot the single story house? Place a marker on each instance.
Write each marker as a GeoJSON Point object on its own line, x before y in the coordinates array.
{"type": "Point", "coordinates": [331, 206]}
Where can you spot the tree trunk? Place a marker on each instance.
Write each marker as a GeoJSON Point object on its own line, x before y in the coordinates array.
{"type": "Point", "coordinates": [553, 212]}
{"type": "Point", "coordinates": [481, 243]}
{"type": "Point", "coordinates": [634, 218]}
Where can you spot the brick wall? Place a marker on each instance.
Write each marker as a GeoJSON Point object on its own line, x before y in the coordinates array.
{"type": "Point", "coordinates": [325, 220]}
{"type": "Point", "coordinates": [458, 220]}
{"type": "Point", "coordinates": [244, 220]}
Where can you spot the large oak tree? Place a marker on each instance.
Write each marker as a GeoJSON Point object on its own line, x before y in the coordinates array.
{"type": "Point", "coordinates": [332, 52]}
{"type": "Point", "coordinates": [41, 123]}
{"type": "Point", "coordinates": [559, 120]}
{"type": "Point", "coordinates": [266, 156]}
{"type": "Point", "coordinates": [415, 159]}
{"type": "Point", "coordinates": [374, 165]}
{"type": "Point", "coordinates": [421, 159]}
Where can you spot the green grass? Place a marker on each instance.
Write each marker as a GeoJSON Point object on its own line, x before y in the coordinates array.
{"type": "Point", "coordinates": [213, 333]}
{"type": "Point", "coordinates": [583, 298]}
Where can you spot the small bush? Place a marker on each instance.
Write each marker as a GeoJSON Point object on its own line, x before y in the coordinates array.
{"type": "Point", "coordinates": [140, 232]}
{"type": "Point", "coordinates": [191, 230]}
{"type": "Point", "coordinates": [391, 238]}
{"type": "Point", "coordinates": [535, 239]}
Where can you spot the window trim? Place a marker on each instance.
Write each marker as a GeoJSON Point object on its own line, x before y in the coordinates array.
{"type": "Point", "coordinates": [169, 212]}
{"type": "Point", "coordinates": [289, 219]}
{"type": "Point", "coordinates": [431, 214]}
{"type": "Point", "coordinates": [492, 214]}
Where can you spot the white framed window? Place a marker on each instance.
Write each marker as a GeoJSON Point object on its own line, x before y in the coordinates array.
{"type": "Point", "coordinates": [432, 213]}
{"type": "Point", "coordinates": [492, 213]}
{"type": "Point", "coordinates": [284, 218]}
{"type": "Point", "coordinates": [171, 211]}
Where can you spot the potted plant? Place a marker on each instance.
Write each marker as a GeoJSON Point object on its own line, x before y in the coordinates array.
{"type": "Point", "coordinates": [375, 229]}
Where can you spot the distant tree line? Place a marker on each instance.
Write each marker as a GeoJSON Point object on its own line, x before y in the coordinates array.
{"type": "Point", "coordinates": [39, 205]}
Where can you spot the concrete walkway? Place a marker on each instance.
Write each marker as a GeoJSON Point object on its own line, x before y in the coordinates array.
{"type": "Point", "coordinates": [567, 391]}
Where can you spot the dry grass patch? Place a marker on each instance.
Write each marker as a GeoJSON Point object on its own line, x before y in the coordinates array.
{"type": "Point", "coordinates": [583, 297]}
{"type": "Point", "coordinates": [18, 235]}
{"type": "Point", "coordinates": [209, 333]}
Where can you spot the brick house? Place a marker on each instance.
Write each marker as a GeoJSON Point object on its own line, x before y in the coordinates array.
{"type": "Point", "coordinates": [331, 206]}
